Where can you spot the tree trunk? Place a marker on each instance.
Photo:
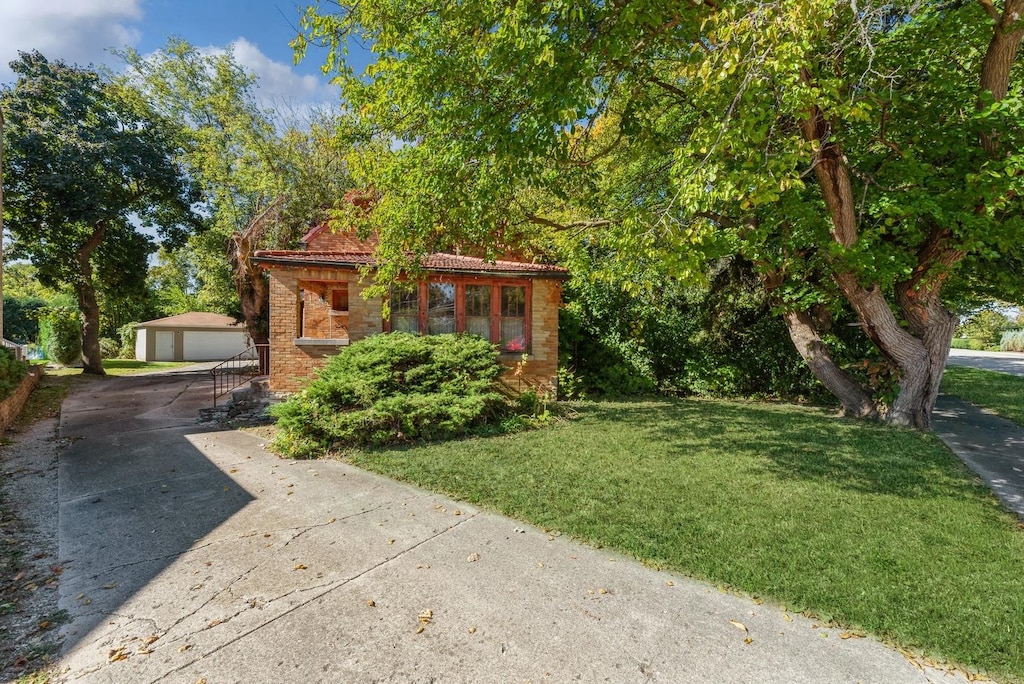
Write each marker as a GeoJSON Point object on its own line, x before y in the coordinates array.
{"type": "Point", "coordinates": [251, 284]}
{"type": "Point", "coordinates": [855, 401]}
{"type": "Point", "coordinates": [92, 359]}
{"type": "Point", "coordinates": [1007, 34]}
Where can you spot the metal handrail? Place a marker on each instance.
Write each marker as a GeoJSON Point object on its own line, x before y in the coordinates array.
{"type": "Point", "coordinates": [240, 369]}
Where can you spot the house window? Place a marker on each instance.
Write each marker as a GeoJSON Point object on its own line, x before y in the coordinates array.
{"type": "Point", "coordinates": [497, 312]}
{"type": "Point", "coordinates": [339, 298]}
{"type": "Point", "coordinates": [512, 322]}
{"type": "Point", "coordinates": [478, 310]}
{"type": "Point", "coordinates": [405, 311]}
{"type": "Point", "coordinates": [323, 310]}
{"type": "Point", "coordinates": [440, 308]}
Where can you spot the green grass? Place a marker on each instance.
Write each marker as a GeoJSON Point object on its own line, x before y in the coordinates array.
{"type": "Point", "coordinates": [997, 392]}
{"type": "Point", "coordinates": [119, 367]}
{"type": "Point", "coordinates": [871, 527]}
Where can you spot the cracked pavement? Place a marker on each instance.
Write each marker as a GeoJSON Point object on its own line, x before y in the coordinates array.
{"type": "Point", "coordinates": [192, 553]}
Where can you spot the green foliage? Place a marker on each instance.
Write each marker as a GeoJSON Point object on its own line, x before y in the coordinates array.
{"type": "Point", "coordinates": [128, 334]}
{"type": "Point", "coordinates": [833, 145]}
{"type": "Point", "coordinates": [21, 322]}
{"type": "Point", "coordinates": [250, 165]}
{"type": "Point", "coordinates": [21, 281]}
{"type": "Point", "coordinates": [109, 348]}
{"type": "Point", "coordinates": [1012, 340]}
{"type": "Point", "coordinates": [11, 372]}
{"type": "Point", "coordinates": [968, 343]}
{"type": "Point", "coordinates": [86, 159]}
{"type": "Point", "coordinates": [986, 325]}
{"type": "Point", "coordinates": [61, 333]}
{"type": "Point", "coordinates": [720, 338]}
{"type": "Point", "coordinates": [394, 388]}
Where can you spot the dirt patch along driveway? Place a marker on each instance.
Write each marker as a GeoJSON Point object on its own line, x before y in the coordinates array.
{"type": "Point", "coordinates": [30, 568]}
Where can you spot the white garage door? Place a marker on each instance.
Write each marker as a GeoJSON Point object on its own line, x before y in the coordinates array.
{"type": "Point", "coordinates": [212, 346]}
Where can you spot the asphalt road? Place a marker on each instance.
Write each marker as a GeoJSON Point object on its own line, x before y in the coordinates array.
{"type": "Point", "coordinates": [1004, 362]}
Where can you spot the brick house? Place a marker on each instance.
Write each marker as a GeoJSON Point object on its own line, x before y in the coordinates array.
{"type": "Point", "coordinates": [317, 307]}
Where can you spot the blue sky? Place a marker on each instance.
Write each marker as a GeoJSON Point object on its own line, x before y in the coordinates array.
{"type": "Point", "coordinates": [80, 31]}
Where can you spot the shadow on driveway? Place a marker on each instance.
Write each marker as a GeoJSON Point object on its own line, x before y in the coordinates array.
{"type": "Point", "coordinates": [134, 492]}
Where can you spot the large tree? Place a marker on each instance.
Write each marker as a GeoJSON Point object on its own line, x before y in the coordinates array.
{"type": "Point", "coordinates": [861, 155]}
{"type": "Point", "coordinates": [86, 163]}
{"type": "Point", "coordinates": [265, 182]}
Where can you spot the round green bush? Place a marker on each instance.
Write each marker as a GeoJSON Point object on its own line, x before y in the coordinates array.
{"type": "Point", "coordinates": [394, 388]}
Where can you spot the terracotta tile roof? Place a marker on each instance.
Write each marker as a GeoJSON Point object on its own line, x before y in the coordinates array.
{"type": "Point", "coordinates": [193, 319]}
{"type": "Point", "coordinates": [437, 262]}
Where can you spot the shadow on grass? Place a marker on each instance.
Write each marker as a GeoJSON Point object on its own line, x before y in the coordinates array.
{"type": "Point", "coordinates": [794, 443]}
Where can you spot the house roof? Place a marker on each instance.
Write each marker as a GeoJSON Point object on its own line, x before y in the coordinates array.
{"type": "Point", "coordinates": [433, 263]}
{"type": "Point", "coordinates": [193, 319]}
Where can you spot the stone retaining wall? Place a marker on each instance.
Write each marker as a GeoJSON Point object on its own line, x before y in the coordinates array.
{"type": "Point", "coordinates": [12, 405]}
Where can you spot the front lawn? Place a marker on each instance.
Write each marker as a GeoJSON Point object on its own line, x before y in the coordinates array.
{"type": "Point", "coordinates": [874, 528]}
{"type": "Point", "coordinates": [997, 392]}
{"type": "Point", "coordinates": [119, 367]}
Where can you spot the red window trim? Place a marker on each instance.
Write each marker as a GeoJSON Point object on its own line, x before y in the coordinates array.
{"type": "Point", "coordinates": [460, 283]}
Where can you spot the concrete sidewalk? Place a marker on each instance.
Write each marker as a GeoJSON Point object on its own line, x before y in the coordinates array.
{"type": "Point", "coordinates": [192, 554]}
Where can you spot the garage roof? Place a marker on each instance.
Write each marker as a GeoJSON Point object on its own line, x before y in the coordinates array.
{"type": "Point", "coordinates": [194, 319]}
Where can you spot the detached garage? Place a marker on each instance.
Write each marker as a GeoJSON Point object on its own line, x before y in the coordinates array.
{"type": "Point", "coordinates": [195, 336]}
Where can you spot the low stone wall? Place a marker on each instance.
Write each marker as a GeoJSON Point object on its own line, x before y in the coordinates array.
{"type": "Point", "coordinates": [12, 405]}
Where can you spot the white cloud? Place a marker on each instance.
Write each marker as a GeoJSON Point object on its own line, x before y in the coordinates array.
{"type": "Point", "coordinates": [279, 86]}
{"type": "Point", "coordinates": [77, 31]}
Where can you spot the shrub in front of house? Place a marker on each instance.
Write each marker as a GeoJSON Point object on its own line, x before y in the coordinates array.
{"type": "Point", "coordinates": [389, 389]}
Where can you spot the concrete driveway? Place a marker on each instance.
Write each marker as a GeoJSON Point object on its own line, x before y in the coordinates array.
{"type": "Point", "coordinates": [192, 554]}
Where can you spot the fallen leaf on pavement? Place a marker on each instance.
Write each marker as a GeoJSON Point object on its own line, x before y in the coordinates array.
{"type": "Point", "coordinates": [473, 557]}
{"type": "Point", "coordinates": [300, 566]}
{"type": "Point", "coordinates": [117, 654]}
{"type": "Point", "coordinates": [738, 625]}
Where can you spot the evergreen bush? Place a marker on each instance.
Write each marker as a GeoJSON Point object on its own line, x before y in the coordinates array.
{"type": "Point", "coordinates": [394, 388]}
{"type": "Point", "coordinates": [1013, 340]}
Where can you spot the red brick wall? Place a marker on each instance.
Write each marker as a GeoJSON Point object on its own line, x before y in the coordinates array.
{"type": "Point", "coordinates": [292, 363]}
{"type": "Point", "coordinates": [540, 371]}
{"type": "Point", "coordinates": [12, 405]}
{"type": "Point", "coordinates": [327, 240]}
